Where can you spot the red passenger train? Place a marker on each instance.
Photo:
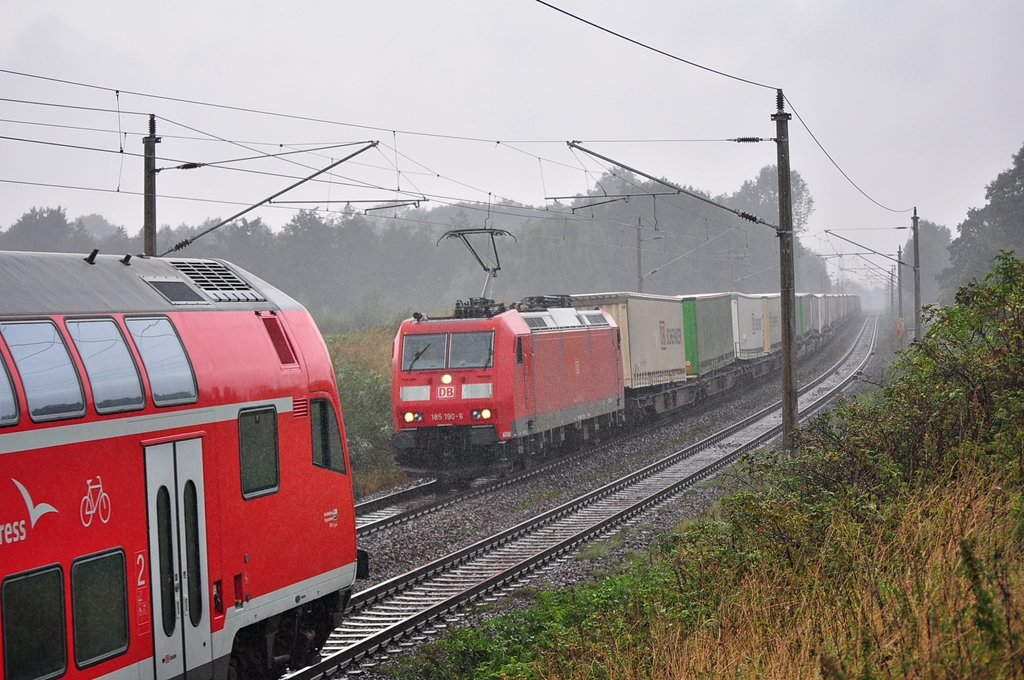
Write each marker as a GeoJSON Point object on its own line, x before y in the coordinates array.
{"type": "Point", "coordinates": [491, 389]}
{"type": "Point", "coordinates": [175, 500]}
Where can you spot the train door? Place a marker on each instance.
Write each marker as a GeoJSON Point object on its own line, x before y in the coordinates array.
{"type": "Point", "coordinates": [177, 560]}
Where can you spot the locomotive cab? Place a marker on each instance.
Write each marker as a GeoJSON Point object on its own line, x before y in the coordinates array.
{"type": "Point", "coordinates": [445, 399]}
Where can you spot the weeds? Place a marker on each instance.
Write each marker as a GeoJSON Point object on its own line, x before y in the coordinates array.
{"type": "Point", "coordinates": [362, 365]}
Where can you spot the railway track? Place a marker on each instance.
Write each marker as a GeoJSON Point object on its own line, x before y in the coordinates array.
{"type": "Point", "coordinates": [426, 497]}
{"type": "Point", "coordinates": [406, 608]}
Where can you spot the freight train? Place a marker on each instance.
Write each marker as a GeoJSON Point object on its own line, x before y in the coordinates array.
{"type": "Point", "coordinates": [491, 389]}
{"type": "Point", "coordinates": [175, 495]}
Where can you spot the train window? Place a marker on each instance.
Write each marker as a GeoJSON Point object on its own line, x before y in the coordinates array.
{"type": "Point", "coordinates": [192, 559]}
{"type": "Point", "coordinates": [99, 607]}
{"type": "Point", "coordinates": [257, 447]}
{"type": "Point", "coordinates": [519, 351]}
{"type": "Point", "coordinates": [115, 381]}
{"type": "Point", "coordinates": [8, 404]}
{"type": "Point", "coordinates": [35, 644]}
{"type": "Point", "coordinates": [423, 352]}
{"type": "Point", "coordinates": [327, 449]}
{"type": "Point", "coordinates": [51, 382]}
{"type": "Point", "coordinates": [167, 364]}
{"type": "Point", "coordinates": [471, 350]}
{"type": "Point", "coordinates": [164, 538]}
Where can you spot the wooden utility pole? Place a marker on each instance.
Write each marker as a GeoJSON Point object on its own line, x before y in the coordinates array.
{"type": "Point", "coordinates": [899, 280]}
{"type": "Point", "coordinates": [787, 284]}
{"type": "Point", "coordinates": [639, 260]}
{"type": "Point", "coordinates": [917, 280]}
{"type": "Point", "coordinates": [149, 190]}
{"type": "Point", "coordinates": [892, 289]}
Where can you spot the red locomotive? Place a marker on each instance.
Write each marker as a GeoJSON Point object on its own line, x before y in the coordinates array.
{"type": "Point", "coordinates": [490, 388]}
{"type": "Point", "coordinates": [174, 491]}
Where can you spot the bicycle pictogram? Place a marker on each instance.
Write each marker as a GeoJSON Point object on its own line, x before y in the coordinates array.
{"type": "Point", "coordinates": [92, 504]}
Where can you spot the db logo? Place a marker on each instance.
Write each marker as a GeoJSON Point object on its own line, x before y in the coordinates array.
{"type": "Point", "coordinates": [446, 391]}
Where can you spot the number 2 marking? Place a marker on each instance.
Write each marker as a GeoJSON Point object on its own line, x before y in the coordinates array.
{"type": "Point", "coordinates": [140, 560]}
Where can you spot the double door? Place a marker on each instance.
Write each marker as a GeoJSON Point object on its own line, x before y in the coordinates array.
{"type": "Point", "coordinates": [178, 565]}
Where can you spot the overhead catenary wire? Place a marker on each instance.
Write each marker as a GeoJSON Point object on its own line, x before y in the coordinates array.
{"type": "Point", "coordinates": [394, 132]}
{"type": "Point", "coordinates": [490, 208]}
{"type": "Point", "coordinates": [655, 49]}
{"type": "Point", "coordinates": [739, 213]}
{"type": "Point", "coordinates": [520, 211]}
{"type": "Point", "coordinates": [399, 173]}
{"type": "Point", "coordinates": [481, 208]}
{"type": "Point", "coordinates": [663, 196]}
{"type": "Point", "coordinates": [241, 109]}
{"type": "Point", "coordinates": [733, 77]}
{"type": "Point", "coordinates": [118, 92]}
{"type": "Point", "coordinates": [192, 239]}
{"type": "Point", "coordinates": [832, 160]}
{"type": "Point", "coordinates": [205, 164]}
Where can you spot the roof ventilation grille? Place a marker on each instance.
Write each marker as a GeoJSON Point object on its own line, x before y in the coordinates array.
{"type": "Point", "coordinates": [176, 291]}
{"type": "Point", "coordinates": [218, 281]}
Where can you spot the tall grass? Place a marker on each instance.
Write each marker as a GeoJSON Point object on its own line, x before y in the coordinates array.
{"type": "Point", "coordinates": [934, 589]}
{"type": "Point", "coordinates": [362, 363]}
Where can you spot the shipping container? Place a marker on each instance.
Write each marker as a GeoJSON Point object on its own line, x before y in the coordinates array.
{"type": "Point", "coordinates": [771, 304]}
{"type": "Point", "coordinates": [748, 325]}
{"type": "Point", "coordinates": [708, 332]}
{"type": "Point", "coordinates": [653, 349]}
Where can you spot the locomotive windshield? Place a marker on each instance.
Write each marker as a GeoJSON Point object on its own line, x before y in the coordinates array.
{"type": "Point", "coordinates": [442, 350]}
{"type": "Point", "coordinates": [423, 352]}
{"type": "Point", "coordinates": [471, 350]}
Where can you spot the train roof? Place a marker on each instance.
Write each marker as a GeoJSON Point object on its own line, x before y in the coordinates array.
{"type": "Point", "coordinates": [69, 283]}
{"type": "Point", "coordinates": [619, 297]}
{"type": "Point", "coordinates": [563, 318]}
{"type": "Point", "coordinates": [550, 318]}
{"type": "Point", "coordinates": [705, 296]}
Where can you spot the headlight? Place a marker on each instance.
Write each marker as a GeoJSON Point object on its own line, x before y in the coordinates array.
{"type": "Point", "coordinates": [481, 414]}
{"type": "Point", "coordinates": [411, 417]}
{"type": "Point", "coordinates": [446, 378]}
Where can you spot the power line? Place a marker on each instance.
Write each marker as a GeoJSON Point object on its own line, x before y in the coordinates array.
{"type": "Point", "coordinates": [188, 165]}
{"type": "Point", "coordinates": [728, 75]}
{"type": "Point", "coordinates": [94, 109]}
{"type": "Point", "coordinates": [50, 185]}
{"type": "Point", "coordinates": [241, 109]}
{"type": "Point", "coordinates": [290, 116]}
{"type": "Point", "coordinates": [841, 171]}
{"type": "Point", "coordinates": [654, 49]}
{"type": "Point", "coordinates": [78, 128]}
{"type": "Point", "coordinates": [311, 119]}
{"type": "Point", "coordinates": [77, 147]}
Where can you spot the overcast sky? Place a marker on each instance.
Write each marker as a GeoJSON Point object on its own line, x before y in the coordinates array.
{"type": "Point", "coordinates": [920, 102]}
